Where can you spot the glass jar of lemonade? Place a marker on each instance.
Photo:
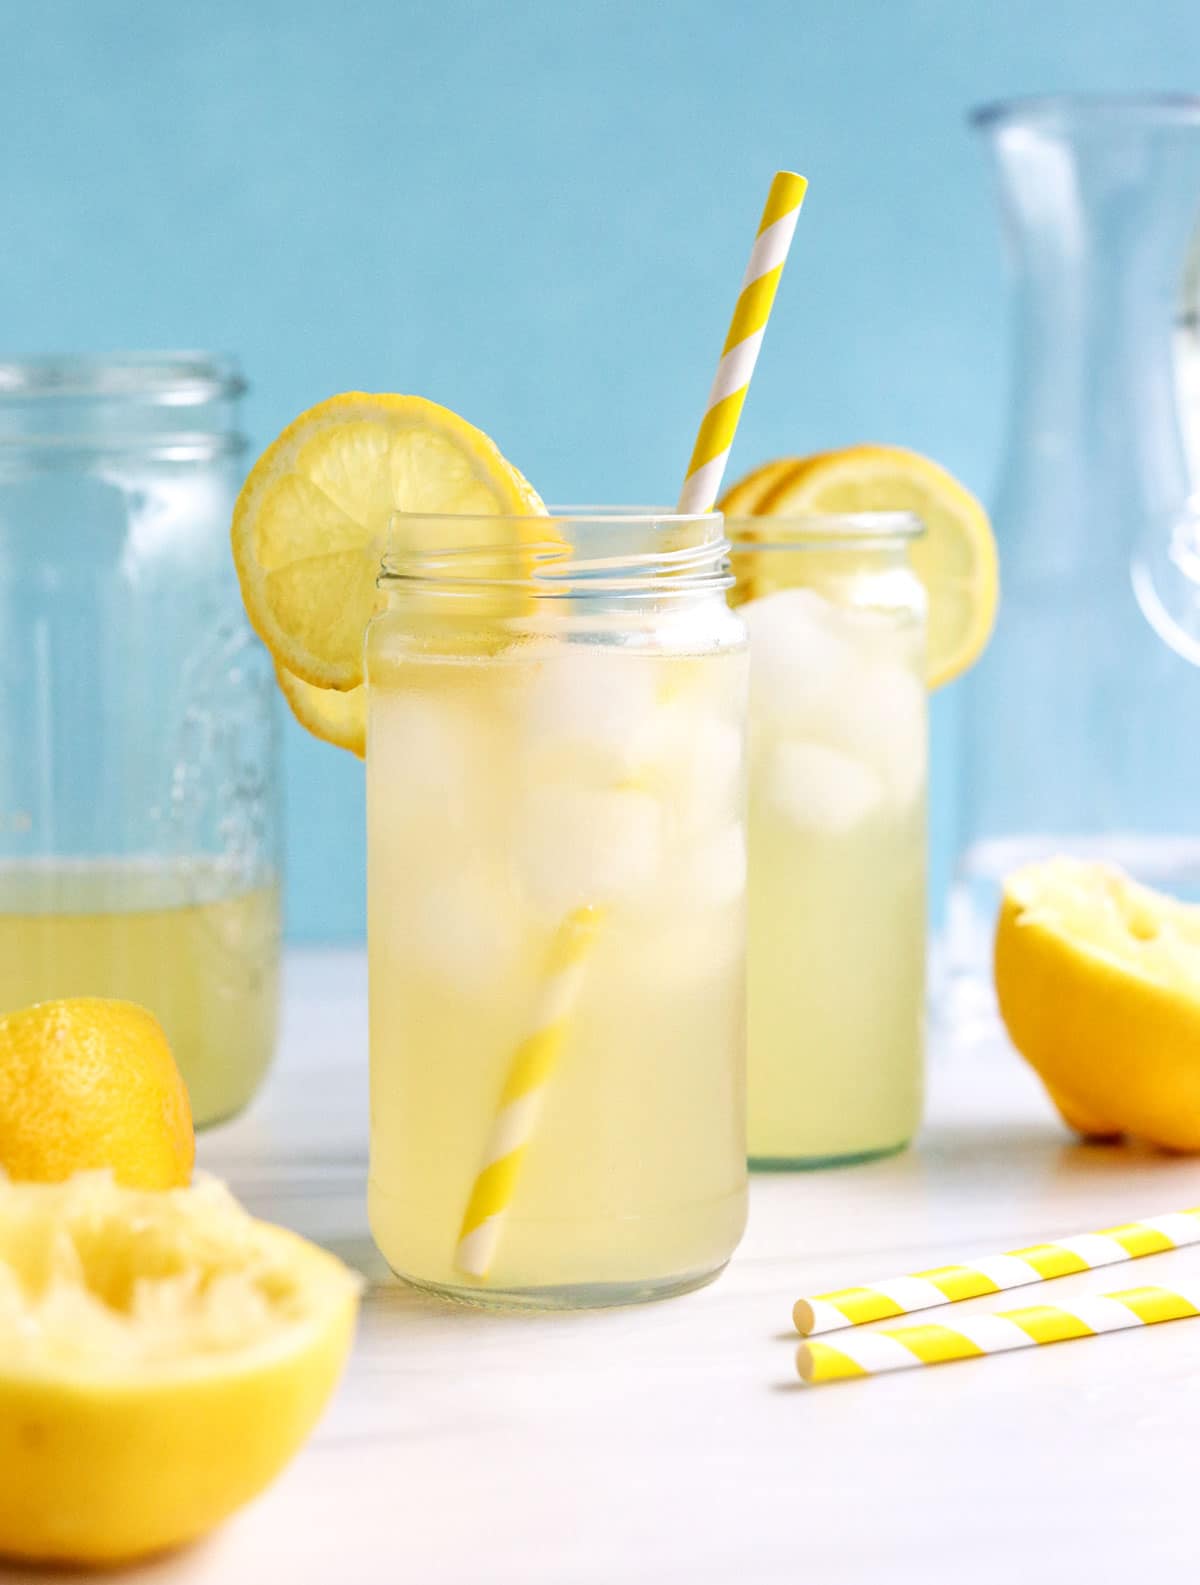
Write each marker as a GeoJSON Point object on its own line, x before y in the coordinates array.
{"type": "Point", "coordinates": [838, 756]}
{"type": "Point", "coordinates": [556, 877]}
{"type": "Point", "coordinates": [138, 816]}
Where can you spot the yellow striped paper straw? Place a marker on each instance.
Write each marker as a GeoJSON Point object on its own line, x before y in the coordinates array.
{"type": "Point", "coordinates": [906, 1347]}
{"type": "Point", "coordinates": [922, 1290]}
{"type": "Point", "coordinates": [520, 1101]}
{"type": "Point", "coordinates": [535, 1058]}
{"type": "Point", "coordinates": [740, 352]}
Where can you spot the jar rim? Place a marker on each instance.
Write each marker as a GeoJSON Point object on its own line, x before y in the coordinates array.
{"type": "Point", "coordinates": [1181, 109]}
{"type": "Point", "coordinates": [823, 530]}
{"type": "Point", "coordinates": [167, 379]}
{"type": "Point", "coordinates": [593, 557]}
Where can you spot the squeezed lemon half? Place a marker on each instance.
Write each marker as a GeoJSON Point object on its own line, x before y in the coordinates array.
{"type": "Point", "coordinates": [162, 1356]}
{"type": "Point", "coordinates": [1098, 982]}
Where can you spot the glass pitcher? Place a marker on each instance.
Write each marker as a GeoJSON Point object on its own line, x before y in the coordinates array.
{"type": "Point", "coordinates": [1082, 718]}
{"type": "Point", "coordinates": [138, 807]}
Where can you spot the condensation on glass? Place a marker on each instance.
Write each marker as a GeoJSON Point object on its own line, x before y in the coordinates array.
{"type": "Point", "coordinates": [138, 796]}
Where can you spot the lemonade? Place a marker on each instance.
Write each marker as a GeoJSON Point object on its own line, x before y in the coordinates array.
{"type": "Point", "coordinates": [837, 839]}
{"type": "Point", "coordinates": [588, 760]}
{"type": "Point", "coordinates": [178, 937]}
{"type": "Point", "coordinates": [555, 711]}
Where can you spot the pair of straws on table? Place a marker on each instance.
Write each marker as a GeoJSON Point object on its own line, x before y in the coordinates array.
{"type": "Point", "coordinates": [904, 1347]}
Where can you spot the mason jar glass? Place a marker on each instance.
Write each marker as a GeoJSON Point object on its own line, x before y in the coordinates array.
{"type": "Point", "coordinates": [556, 874]}
{"type": "Point", "coordinates": [138, 796]}
{"type": "Point", "coordinates": [838, 753]}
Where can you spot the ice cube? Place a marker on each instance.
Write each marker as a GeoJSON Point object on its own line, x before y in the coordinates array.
{"type": "Point", "coordinates": [692, 952]}
{"type": "Point", "coordinates": [459, 927]}
{"type": "Point", "coordinates": [714, 869]}
{"type": "Point", "coordinates": [576, 845]}
{"type": "Point", "coordinates": [429, 757]}
{"type": "Point", "coordinates": [590, 706]}
{"type": "Point", "coordinates": [719, 684]}
{"type": "Point", "coordinates": [820, 788]}
{"type": "Point", "coordinates": [698, 934]}
{"type": "Point", "coordinates": [692, 760]}
{"type": "Point", "coordinates": [881, 720]}
{"type": "Point", "coordinates": [800, 658]}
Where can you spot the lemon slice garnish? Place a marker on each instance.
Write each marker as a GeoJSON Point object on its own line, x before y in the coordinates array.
{"type": "Point", "coordinates": [335, 717]}
{"type": "Point", "coordinates": [311, 521]}
{"type": "Point", "coordinates": [955, 558]}
{"type": "Point", "coordinates": [743, 499]}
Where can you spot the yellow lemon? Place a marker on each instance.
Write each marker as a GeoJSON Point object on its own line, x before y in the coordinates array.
{"type": "Point", "coordinates": [334, 717]}
{"type": "Point", "coordinates": [955, 558]}
{"type": "Point", "coordinates": [744, 498]}
{"type": "Point", "coordinates": [310, 524]}
{"type": "Point", "coordinates": [162, 1356]}
{"type": "Point", "coordinates": [87, 1082]}
{"type": "Point", "coordinates": [1098, 981]}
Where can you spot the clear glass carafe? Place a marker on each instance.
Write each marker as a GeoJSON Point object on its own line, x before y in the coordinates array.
{"type": "Point", "coordinates": [1082, 718]}
{"type": "Point", "coordinates": [138, 793]}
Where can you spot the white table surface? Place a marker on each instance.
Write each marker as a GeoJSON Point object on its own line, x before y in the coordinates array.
{"type": "Point", "coordinates": [673, 1442]}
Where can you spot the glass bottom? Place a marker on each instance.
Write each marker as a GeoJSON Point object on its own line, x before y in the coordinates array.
{"type": "Point", "coordinates": [573, 1296]}
{"type": "Point", "coordinates": [818, 1163]}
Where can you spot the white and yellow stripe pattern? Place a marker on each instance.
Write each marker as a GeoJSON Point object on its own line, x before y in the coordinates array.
{"type": "Point", "coordinates": [537, 1056]}
{"type": "Point", "coordinates": [520, 1100]}
{"type": "Point", "coordinates": [740, 352]}
{"type": "Point", "coordinates": [922, 1290]}
{"type": "Point", "coordinates": [906, 1347]}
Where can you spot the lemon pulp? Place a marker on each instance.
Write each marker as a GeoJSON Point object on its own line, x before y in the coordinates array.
{"type": "Point", "coordinates": [162, 1355]}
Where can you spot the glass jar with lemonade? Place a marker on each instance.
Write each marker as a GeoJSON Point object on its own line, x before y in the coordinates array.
{"type": "Point", "coordinates": [138, 787]}
{"type": "Point", "coordinates": [838, 757]}
{"type": "Point", "coordinates": [556, 863]}
{"type": "Point", "coordinates": [865, 577]}
{"type": "Point", "coordinates": [553, 711]}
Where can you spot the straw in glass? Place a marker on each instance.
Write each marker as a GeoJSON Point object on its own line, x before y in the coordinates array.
{"type": "Point", "coordinates": [533, 1062]}
{"type": "Point", "coordinates": [710, 454]}
{"type": "Point", "coordinates": [530, 1070]}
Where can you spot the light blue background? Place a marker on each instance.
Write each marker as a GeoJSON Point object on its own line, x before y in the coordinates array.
{"type": "Point", "coordinates": [537, 212]}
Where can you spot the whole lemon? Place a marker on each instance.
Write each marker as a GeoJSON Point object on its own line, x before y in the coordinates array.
{"type": "Point", "coordinates": [86, 1083]}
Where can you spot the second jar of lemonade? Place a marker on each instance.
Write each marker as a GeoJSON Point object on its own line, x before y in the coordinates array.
{"type": "Point", "coordinates": [138, 797]}
{"type": "Point", "coordinates": [557, 863]}
{"type": "Point", "coordinates": [837, 835]}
